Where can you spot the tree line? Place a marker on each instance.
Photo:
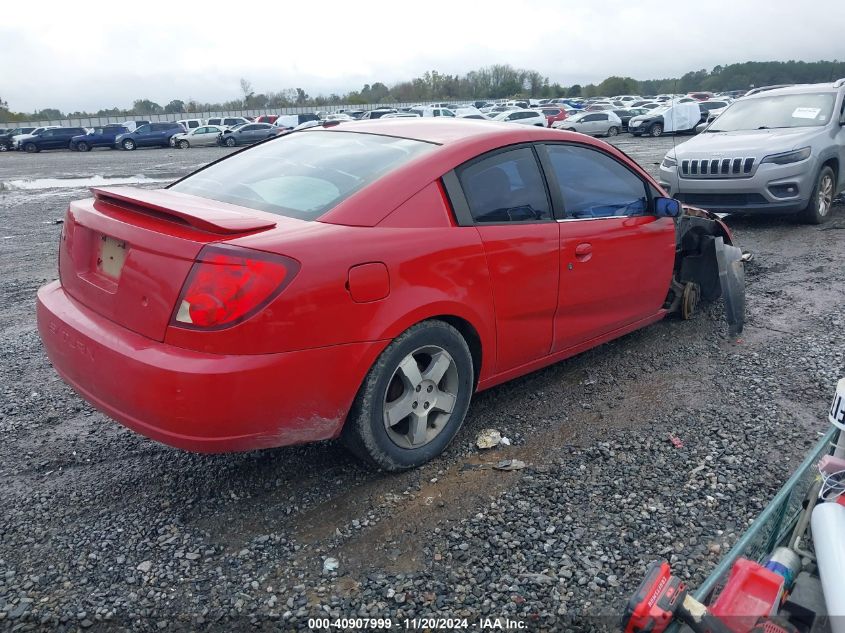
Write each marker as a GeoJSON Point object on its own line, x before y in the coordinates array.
{"type": "Point", "coordinates": [498, 81]}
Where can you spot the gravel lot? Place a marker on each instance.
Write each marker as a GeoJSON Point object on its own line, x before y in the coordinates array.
{"type": "Point", "coordinates": [100, 525]}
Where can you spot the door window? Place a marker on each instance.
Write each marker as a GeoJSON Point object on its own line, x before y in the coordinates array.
{"type": "Point", "coordinates": [594, 185]}
{"type": "Point", "coordinates": [506, 187]}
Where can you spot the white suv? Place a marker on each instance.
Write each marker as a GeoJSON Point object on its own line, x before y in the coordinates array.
{"type": "Point", "coordinates": [778, 151]}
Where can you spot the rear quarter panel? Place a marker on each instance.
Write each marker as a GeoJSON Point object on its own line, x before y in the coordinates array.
{"type": "Point", "coordinates": [434, 269]}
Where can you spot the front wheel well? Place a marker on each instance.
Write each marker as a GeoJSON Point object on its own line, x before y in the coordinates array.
{"type": "Point", "coordinates": [833, 163]}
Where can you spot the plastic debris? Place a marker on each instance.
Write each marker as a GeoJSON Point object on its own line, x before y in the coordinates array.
{"type": "Point", "coordinates": [488, 438]}
{"type": "Point", "coordinates": [330, 564]}
{"type": "Point", "coordinates": [676, 441]}
{"type": "Point", "coordinates": [505, 441]}
{"type": "Point", "coordinates": [510, 464]}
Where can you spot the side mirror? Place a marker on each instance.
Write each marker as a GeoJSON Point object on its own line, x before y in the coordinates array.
{"type": "Point", "coordinates": [667, 208]}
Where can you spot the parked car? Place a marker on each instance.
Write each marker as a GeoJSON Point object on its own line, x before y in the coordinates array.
{"type": "Point", "coordinates": [8, 135]}
{"type": "Point", "coordinates": [290, 121]}
{"type": "Point", "coordinates": [338, 116]}
{"type": "Point", "coordinates": [432, 112]}
{"type": "Point", "coordinates": [377, 113]}
{"type": "Point", "coordinates": [332, 257]}
{"type": "Point", "coordinates": [52, 138]}
{"type": "Point", "coordinates": [593, 123]}
{"type": "Point", "coordinates": [554, 114]}
{"type": "Point", "coordinates": [778, 151]}
{"type": "Point", "coordinates": [524, 117]}
{"type": "Point", "coordinates": [711, 109]}
{"type": "Point", "coordinates": [230, 121]}
{"type": "Point", "coordinates": [599, 107]}
{"type": "Point", "coordinates": [98, 137]}
{"type": "Point", "coordinates": [400, 115]}
{"type": "Point", "coordinates": [134, 124]}
{"type": "Point", "coordinates": [198, 137]}
{"type": "Point", "coordinates": [355, 114]}
{"type": "Point", "coordinates": [701, 96]}
{"type": "Point", "coordinates": [267, 118]}
{"type": "Point", "coordinates": [150, 135]}
{"type": "Point", "coordinates": [190, 124]}
{"type": "Point", "coordinates": [676, 118]}
{"type": "Point", "coordinates": [17, 139]}
{"type": "Point", "coordinates": [624, 117]}
{"type": "Point", "coordinates": [246, 134]}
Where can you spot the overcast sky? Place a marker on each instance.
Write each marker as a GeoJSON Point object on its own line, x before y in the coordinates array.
{"type": "Point", "coordinates": [87, 56]}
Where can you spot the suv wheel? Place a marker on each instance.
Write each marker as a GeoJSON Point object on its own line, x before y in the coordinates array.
{"type": "Point", "coordinates": [413, 400]}
{"type": "Point", "coordinates": [821, 201]}
{"type": "Point", "coordinates": [656, 130]}
{"type": "Point", "coordinates": [82, 146]}
{"type": "Point", "coordinates": [30, 148]}
{"type": "Point", "coordinates": [230, 141]}
{"type": "Point", "coordinates": [128, 144]}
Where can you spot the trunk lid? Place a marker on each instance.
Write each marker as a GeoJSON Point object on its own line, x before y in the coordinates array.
{"type": "Point", "coordinates": [125, 253]}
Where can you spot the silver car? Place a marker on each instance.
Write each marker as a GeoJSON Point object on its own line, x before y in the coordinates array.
{"type": "Point", "coordinates": [605, 123]}
{"type": "Point", "coordinates": [778, 151]}
{"type": "Point", "coordinates": [199, 136]}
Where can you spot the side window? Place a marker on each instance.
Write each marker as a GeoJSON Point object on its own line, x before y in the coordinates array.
{"type": "Point", "coordinates": [143, 129]}
{"type": "Point", "coordinates": [594, 185]}
{"type": "Point", "coordinates": [506, 187]}
{"type": "Point", "coordinates": [193, 124]}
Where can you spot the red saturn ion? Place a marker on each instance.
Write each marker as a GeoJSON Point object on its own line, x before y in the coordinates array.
{"type": "Point", "coordinates": [362, 280]}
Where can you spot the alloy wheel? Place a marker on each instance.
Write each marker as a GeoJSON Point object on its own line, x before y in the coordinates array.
{"type": "Point", "coordinates": [420, 397]}
{"type": "Point", "coordinates": [825, 195]}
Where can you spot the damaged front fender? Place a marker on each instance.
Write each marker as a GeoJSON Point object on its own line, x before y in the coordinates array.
{"type": "Point", "coordinates": [732, 281]}
{"type": "Point", "coordinates": [708, 260]}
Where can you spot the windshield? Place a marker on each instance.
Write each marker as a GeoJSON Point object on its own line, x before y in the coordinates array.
{"type": "Point", "coordinates": [812, 109]}
{"type": "Point", "coordinates": [304, 174]}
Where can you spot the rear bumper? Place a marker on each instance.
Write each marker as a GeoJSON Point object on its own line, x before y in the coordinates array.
{"type": "Point", "coordinates": [198, 401]}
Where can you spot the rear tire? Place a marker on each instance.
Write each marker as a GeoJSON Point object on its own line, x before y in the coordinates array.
{"type": "Point", "coordinates": [818, 209]}
{"type": "Point", "coordinates": [427, 374]}
{"type": "Point", "coordinates": [612, 131]}
{"type": "Point", "coordinates": [656, 130]}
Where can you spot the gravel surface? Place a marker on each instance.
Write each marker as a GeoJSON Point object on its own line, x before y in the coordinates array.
{"type": "Point", "coordinates": [101, 527]}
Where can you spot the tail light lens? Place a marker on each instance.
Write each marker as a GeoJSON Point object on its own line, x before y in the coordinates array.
{"type": "Point", "coordinates": [228, 284]}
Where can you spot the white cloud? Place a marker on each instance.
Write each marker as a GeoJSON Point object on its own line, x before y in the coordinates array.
{"type": "Point", "coordinates": [74, 60]}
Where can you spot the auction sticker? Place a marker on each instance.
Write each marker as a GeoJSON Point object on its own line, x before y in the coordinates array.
{"type": "Point", "coordinates": [806, 113]}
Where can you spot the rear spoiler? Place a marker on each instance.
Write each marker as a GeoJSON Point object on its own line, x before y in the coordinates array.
{"type": "Point", "coordinates": [206, 215]}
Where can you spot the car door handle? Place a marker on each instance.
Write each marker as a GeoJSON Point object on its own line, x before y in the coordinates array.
{"type": "Point", "coordinates": [583, 251]}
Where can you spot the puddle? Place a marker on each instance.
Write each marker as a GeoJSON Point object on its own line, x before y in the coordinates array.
{"type": "Point", "coordinates": [36, 184]}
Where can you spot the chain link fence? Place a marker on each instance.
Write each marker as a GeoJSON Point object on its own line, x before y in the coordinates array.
{"type": "Point", "coordinates": [96, 121]}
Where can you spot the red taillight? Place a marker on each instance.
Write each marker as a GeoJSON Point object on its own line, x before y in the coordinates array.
{"type": "Point", "coordinates": [228, 284]}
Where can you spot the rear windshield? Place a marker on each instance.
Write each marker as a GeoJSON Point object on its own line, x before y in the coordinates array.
{"type": "Point", "coordinates": [304, 174]}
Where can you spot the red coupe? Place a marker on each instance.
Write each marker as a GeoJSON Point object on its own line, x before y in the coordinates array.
{"type": "Point", "coordinates": [363, 280]}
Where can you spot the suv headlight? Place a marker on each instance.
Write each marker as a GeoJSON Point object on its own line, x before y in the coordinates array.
{"type": "Point", "coordinates": [669, 162]}
{"type": "Point", "coordinates": [788, 157]}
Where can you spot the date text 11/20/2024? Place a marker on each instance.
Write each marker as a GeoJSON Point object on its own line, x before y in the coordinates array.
{"type": "Point", "coordinates": [445, 624]}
